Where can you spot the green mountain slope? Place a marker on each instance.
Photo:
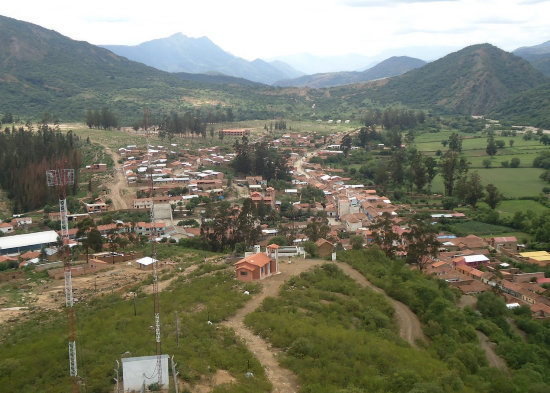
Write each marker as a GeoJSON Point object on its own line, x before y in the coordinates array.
{"type": "Point", "coordinates": [393, 66]}
{"type": "Point", "coordinates": [474, 81]}
{"type": "Point", "coordinates": [529, 108]}
{"type": "Point", "coordinates": [538, 56]}
{"type": "Point", "coordinates": [42, 70]}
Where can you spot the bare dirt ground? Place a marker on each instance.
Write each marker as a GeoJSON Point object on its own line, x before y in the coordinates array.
{"type": "Point", "coordinates": [488, 346]}
{"type": "Point", "coordinates": [116, 185]}
{"type": "Point", "coordinates": [467, 300]}
{"type": "Point", "coordinates": [283, 380]}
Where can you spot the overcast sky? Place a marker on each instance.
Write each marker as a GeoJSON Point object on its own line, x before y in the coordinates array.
{"type": "Point", "coordinates": [266, 29]}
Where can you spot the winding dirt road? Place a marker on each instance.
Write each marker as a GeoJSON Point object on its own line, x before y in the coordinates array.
{"type": "Point", "coordinates": [284, 380]}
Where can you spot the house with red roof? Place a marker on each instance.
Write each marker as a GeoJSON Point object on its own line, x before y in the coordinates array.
{"type": "Point", "coordinates": [258, 266]}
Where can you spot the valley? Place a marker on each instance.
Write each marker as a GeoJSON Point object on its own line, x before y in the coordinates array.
{"type": "Point", "coordinates": [378, 230]}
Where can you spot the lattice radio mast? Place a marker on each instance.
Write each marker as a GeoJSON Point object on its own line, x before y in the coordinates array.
{"type": "Point", "coordinates": [61, 178]}
{"type": "Point", "coordinates": [153, 236]}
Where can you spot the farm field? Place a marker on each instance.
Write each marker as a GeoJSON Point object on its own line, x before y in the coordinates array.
{"type": "Point", "coordinates": [512, 182]}
{"type": "Point", "coordinates": [508, 208]}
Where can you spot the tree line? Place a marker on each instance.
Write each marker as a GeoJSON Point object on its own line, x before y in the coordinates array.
{"type": "Point", "coordinates": [105, 118]}
{"type": "Point", "coordinates": [259, 159]}
{"type": "Point", "coordinates": [25, 155]}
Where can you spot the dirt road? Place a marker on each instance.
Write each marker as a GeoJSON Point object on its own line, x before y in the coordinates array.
{"type": "Point", "coordinates": [117, 184]}
{"type": "Point", "coordinates": [284, 380]}
{"type": "Point", "coordinates": [410, 328]}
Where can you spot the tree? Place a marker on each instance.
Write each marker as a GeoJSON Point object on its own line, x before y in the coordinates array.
{"type": "Point", "coordinates": [94, 240]}
{"type": "Point", "coordinates": [491, 148]}
{"type": "Point", "coordinates": [452, 166]}
{"type": "Point", "coordinates": [493, 196]}
{"type": "Point", "coordinates": [511, 142]}
{"type": "Point", "coordinates": [345, 145]}
{"type": "Point", "coordinates": [356, 242]}
{"type": "Point", "coordinates": [469, 189]}
{"type": "Point", "coordinates": [431, 169]}
{"type": "Point", "coordinates": [487, 163]}
{"type": "Point", "coordinates": [455, 142]}
{"type": "Point", "coordinates": [317, 228]}
{"type": "Point", "coordinates": [247, 229]}
{"type": "Point", "coordinates": [419, 172]}
{"type": "Point", "coordinates": [422, 244]}
{"type": "Point", "coordinates": [383, 234]}
{"type": "Point", "coordinates": [514, 162]}
{"type": "Point", "coordinates": [545, 140]}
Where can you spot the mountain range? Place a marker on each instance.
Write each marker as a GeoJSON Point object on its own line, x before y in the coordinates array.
{"type": "Point", "coordinates": [393, 66]}
{"type": "Point", "coordinates": [42, 70]}
{"type": "Point", "coordinates": [179, 53]}
{"type": "Point", "coordinates": [538, 56]}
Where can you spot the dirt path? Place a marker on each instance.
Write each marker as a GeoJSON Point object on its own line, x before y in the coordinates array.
{"type": "Point", "coordinates": [410, 328]}
{"type": "Point", "coordinates": [117, 184]}
{"type": "Point", "coordinates": [493, 359]}
{"type": "Point", "coordinates": [283, 380]}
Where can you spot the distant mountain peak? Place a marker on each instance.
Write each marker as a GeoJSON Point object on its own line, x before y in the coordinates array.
{"type": "Point", "coordinates": [180, 53]}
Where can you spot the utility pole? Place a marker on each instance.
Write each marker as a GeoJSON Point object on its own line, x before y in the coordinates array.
{"type": "Point", "coordinates": [61, 178]}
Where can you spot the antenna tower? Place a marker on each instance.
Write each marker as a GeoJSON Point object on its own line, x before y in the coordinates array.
{"type": "Point", "coordinates": [153, 236]}
{"type": "Point", "coordinates": [61, 178]}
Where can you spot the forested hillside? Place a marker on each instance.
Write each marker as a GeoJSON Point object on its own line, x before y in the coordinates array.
{"type": "Point", "coordinates": [25, 155]}
{"type": "Point", "coordinates": [473, 81]}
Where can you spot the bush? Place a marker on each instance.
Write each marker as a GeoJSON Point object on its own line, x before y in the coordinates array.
{"type": "Point", "coordinates": [514, 163]}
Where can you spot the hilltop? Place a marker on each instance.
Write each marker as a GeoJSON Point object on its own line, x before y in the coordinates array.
{"type": "Point", "coordinates": [473, 81]}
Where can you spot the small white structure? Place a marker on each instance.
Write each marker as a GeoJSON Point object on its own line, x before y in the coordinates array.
{"type": "Point", "coordinates": [142, 371]}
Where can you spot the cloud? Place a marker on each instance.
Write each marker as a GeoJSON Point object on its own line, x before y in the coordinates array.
{"type": "Point", "coordinates": [529, 2]}
{"type": "Point", "coordinates": [385, 3]}
{"type": "Point", "coordinates": [499, 21]}
{"type": "Point", "coordinates": [106, 19]}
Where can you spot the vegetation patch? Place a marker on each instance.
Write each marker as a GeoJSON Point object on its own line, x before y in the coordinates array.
{"type": "Point", "coordinates": [452, 331]}
{"type": "Point", "coordinates": [342, 343]}
{"type": "Point", "coordinates": [107, 329]}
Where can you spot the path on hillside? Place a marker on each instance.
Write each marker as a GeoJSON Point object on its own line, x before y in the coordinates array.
{"type": "Point", "coordinates": [493, 359]}
{"type": "Point", "coordinates": [410, 328]}
{"type": "Point", "coordinates": [284, 380]}
{"type": "Point", "coordinates": [116, 184]}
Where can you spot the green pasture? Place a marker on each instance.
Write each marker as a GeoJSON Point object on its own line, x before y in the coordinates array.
{"type": "Point", "coordinates": [508, 208]}
{"type": "Point", "coordinates": [512, 182]}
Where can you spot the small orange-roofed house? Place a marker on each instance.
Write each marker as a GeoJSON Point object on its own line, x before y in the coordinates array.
{"type": "Point", "coordinates": [258, 266]}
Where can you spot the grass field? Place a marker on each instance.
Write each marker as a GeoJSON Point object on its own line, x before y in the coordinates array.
{"type": "Point", "coordinates": [118, 138]}
{"type": "Point", "coordinates": [512, 182]}
{"type": "Point", "coordinates": [508, 208]}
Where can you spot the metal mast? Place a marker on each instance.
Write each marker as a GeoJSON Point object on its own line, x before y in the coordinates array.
{"type": "Point", "coordinates": [61, 178]}
{"type": "Point", "coordinates": [153, 236]}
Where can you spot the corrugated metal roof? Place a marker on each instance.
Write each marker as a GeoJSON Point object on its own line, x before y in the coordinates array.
{"type": "Point", "coordinates": [28, 239]}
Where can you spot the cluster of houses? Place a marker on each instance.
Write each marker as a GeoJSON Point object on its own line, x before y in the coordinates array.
{"type": "Point", "coordinates": [472, 265]}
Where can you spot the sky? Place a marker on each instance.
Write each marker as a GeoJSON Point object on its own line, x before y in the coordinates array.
{"type": "Point", "coordinates": [267, 29]}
